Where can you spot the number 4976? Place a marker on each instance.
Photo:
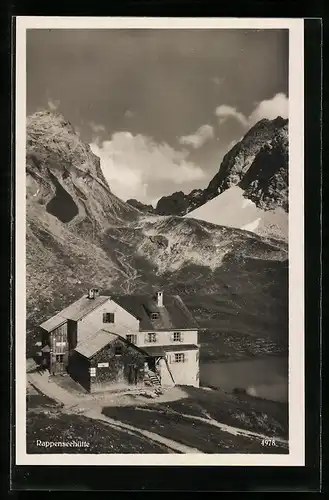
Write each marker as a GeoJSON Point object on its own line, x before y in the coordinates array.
{"type": "Point", "coordinates": [268, 442]}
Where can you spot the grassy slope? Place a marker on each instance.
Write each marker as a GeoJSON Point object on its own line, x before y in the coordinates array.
{"type": "Point", "coordinates": [246, 413]}
{"type": "Point", "coordinates": [240, 301]}
{"type": "Point", "coordinates": [45, 422]}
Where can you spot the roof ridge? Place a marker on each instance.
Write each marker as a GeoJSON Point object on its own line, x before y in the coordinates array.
{"type": "Point", "coordinates": [87, 347]}
{"type": "Point", "coordinates": [96, 303]}
{"type": "Point", "coordinates": [107, 331]}
{"type": "Point", "coordinates": [92, 335]}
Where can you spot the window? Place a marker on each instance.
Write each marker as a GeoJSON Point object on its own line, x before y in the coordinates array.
{"type": "Point", "coordinates": [108, 317]}
{"type": "Point", "coordinates": [131, 338]}
{"type": "Point", "coordinates": [151, 337]}
{"type": "Point", "coordinates": [118, 350]}
{"type": "Point", "coordinates": [59, 358]}
{"type": "Point", "coordinates": [154, 315]}
{"type": "Point", "coordinates": [177, 337]}
{"type": "Point", "coordinates": [179, 357]}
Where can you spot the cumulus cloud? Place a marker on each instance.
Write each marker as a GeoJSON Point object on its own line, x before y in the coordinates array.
{"type": "Point", "coordinates": [224, 112]}
{"type": "Point", "coordinates": [135, 166]}
{"type": "Point", "coordinates": [196, 140]}
{"type": "Point", "coordinates": [270, 109]}
{"type": "Point", "coordinates": [53, 104]}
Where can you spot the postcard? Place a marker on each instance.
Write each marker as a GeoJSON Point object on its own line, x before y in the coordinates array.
{"type": "Point", "coordinates": [159, 241]}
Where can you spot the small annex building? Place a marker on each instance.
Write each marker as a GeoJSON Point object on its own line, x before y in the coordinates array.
{"type": "Point", "coordinates": [109, 342]}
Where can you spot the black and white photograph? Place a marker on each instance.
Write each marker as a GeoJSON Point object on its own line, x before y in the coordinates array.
{"type": "Point", "coordinates": [159, 241]}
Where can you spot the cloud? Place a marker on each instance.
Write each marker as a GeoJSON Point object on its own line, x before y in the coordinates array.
{"type": "Point", "coordinates": [53, 105]}
{"type": "Point", "coordinates": [196, 140]}
{"type": "Point", "coordinates": [95, 127]}
{"type": "Point", "coordinates": [270, 109]}
{"type": "Point", "coordinates": [135, 166]}
{"type": "Point", "coordinates": [224, 112]}
{"type": "Point", "coordinates": [129, 114]}
{"type": "Point", "coordinates": [277, 106]}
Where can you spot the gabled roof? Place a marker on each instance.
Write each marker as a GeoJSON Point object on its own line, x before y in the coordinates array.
{"type": "Point", "coordinates": [95, 343]}
{"type": "Point", "coordinates": [78, 310]}
{"type": "Point", "coordinates": [53, 322]}
{"type": "Point", "coordinates": [174, 315]}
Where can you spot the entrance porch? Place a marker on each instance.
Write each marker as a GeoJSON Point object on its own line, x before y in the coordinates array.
{"type": "Point", "coordinates": [156, 367]}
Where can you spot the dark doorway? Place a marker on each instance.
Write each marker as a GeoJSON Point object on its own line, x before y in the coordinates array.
{"type": "Point", "coordinates": [132, 374]}
{"type": "Point", "coordinates": [151, 363]}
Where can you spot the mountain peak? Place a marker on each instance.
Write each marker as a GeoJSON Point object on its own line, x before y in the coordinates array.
{"type": "Point", "coordinates": [265, 143]}
{"type": "Point", "coordinates": [65, 176]}
{"type": "Point", "coordinates": [49, 134]}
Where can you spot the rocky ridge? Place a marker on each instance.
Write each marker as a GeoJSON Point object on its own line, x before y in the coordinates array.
{"type": "Point", "coordinates": [258, 163]}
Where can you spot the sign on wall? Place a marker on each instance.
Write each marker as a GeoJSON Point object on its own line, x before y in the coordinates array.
{"type": "Point", "coordinates": [103, 365]}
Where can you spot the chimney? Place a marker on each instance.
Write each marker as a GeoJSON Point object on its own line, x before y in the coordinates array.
{"type": "Point", "coordinates": [92, 293]}
{"type": "Point", "coordinates": [159, 299]}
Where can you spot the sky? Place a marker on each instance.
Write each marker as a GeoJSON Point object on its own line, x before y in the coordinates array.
{"type": "Point", "coordinates": [159, 107]}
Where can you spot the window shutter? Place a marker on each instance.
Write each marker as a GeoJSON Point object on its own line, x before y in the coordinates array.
{"type": "Point", "coordinates": [182, 336]}
{"type": "Point", "coordinates": [185, 356]}
{"type": "Point", "coordinates": [172, 337]}
{"type": "Point", "coordinates": [146, 338]}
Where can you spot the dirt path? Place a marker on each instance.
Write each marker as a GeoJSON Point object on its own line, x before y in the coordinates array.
{"type": "Point", "coordinates": [42, 382]}
{"type": "Point", "coordinates": [169, 443]}
{"type": "Point", "coordinates": [75, 404]}
{"type": "Point", "coordinates": [235, 431]}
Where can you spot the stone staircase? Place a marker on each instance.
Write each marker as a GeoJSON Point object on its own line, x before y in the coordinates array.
{"type": "Point", "coordinates": [153, 379]}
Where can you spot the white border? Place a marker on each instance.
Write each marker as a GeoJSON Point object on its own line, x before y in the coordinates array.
{"type": "Point", "coordinates": [296, 456]}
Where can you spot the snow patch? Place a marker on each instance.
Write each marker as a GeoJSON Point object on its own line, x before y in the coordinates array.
{"type": "Point", "coordinates": [247, 202]}
{"type": "Point", "coordinates": [232, 209]}
{"type": "Point", "coordinates": [252, 226]}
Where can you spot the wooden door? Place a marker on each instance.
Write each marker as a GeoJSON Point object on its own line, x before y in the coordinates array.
{"type": "Point", "coordinates": [58, 364]}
